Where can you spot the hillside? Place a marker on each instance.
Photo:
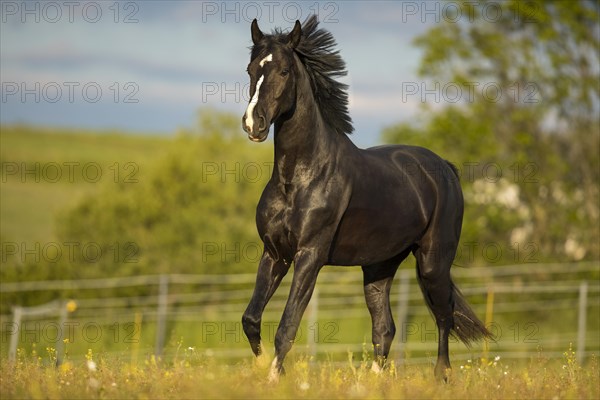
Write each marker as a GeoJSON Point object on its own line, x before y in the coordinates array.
{"type": "Point", "coordinates": [47, 171]}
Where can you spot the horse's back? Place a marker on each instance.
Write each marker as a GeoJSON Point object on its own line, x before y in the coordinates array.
{"type": "Point", "coordinates": [397, 190]}
{"type": "Point", "coordinates": [436, 181]}
{"type": "Point", "coordinates": [406, 156]}
{"type": "Point", "coordinates": [418, 167]}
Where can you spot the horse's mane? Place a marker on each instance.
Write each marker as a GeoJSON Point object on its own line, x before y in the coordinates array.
{"type": "Point", "coordinates": [323, 64]}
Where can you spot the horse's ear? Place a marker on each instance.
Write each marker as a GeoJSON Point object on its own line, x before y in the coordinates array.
{"type": "Point", "coordinates": [257, 35]}
{"type": "Point", "coordinates": [295, 35]}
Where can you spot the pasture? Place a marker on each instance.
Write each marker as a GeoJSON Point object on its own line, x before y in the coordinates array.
{"type": "Point", "coordinates": [533, 359]}
{"type": "Point", "coordinates": [194, 374]}
{"type": "Point", "coordinates": [63, 166]}
{"type": "Point", "coordinates": [129, 258]}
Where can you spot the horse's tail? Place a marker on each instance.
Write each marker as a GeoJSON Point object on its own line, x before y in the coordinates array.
{"type": "Point", "coordinates": [467, 327]}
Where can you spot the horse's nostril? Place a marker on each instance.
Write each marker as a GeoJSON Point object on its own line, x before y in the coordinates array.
{"type": "Point", "coordinates": [262, 123]}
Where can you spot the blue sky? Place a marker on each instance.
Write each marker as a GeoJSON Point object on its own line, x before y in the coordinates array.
{"type": "Point", "coordinates": [150, 65]}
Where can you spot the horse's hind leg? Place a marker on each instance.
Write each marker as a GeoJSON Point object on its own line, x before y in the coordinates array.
{"type": "Point", "coordinates": [378, 280]}
{"type": "Point", "coordinates": [433, 273]}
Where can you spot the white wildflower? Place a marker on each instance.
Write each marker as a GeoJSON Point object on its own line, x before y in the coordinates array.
{"type": "Point", "coordinates": [91, 366]}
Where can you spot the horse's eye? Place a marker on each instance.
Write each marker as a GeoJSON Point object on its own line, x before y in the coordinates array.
{"type": "Point", "coordinates": [285, 71]}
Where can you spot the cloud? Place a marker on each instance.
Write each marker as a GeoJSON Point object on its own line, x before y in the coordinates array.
{"type": "Point", "coordinates": [183, 58]}
{"type": "Point", "coordinates": [67, 60]}
{"type": "Point", "coordinates": [384, 105]}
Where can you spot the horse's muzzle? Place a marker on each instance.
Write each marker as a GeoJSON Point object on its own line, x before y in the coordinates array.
{"type": "Point", "coordinates": [258, 132]}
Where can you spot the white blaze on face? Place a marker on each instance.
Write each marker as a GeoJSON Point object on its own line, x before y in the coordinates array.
{"type": "Point", "coordinates": [266, 60]}
{"type": "Point", "coordinates": [254, 100]}
{"type": "Point", "coordinates": [252, 104]}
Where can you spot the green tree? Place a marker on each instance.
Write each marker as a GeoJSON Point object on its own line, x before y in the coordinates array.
{"type": "Point", "coordinates": [528, 78]}
{"type": "Point", "coordinates": [193, 212]}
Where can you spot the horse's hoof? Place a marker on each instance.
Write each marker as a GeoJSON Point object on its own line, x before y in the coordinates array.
{"type": "Point", "coordinates": [442, 374]}
{"type": "Point", "coordinates": [262, 360]}
{"type": "Point", "coordinates": [275, 372]}
{"type": "Point", "coordinates": [376, 368]}
{"type": "Point", "coordinates": [273, 377]}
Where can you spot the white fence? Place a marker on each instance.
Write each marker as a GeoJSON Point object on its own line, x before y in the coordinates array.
{"type": "Point", "coordinates": [532, 309]}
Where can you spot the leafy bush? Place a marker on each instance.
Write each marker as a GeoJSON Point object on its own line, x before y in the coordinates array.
{"type": "Point", "coordinates": [190, 212]}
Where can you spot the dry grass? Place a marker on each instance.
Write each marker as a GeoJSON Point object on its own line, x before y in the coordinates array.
{"type": "Point", "coordinates": [193, 375]}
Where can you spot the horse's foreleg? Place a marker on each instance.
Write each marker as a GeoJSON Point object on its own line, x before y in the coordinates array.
{"type": "Point", "coordinates": [269, 276]}
{"type": "Point", "coordinates": [306, 268]}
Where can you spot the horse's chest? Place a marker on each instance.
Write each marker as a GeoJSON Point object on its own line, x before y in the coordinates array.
{"type": "Point", "coordinates": [290, 217]}
{"type": "Point", "coordinates": [274, 220]}
{"type": "Point", "coordinates": [283, 222]}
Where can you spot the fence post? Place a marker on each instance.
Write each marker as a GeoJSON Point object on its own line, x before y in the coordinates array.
{"type": "Point", "coordinates": [403, 296]}
{"type": "Point", "coordinates": [135, 346]}
{"type": "Point", "coordinates": [161, 321]}
{"type": "Point", "coordinates": [489, 316]}
{"type": "Point", "coordinates": [60, 345]}
{"type": "Point", "coordinates": [313, 323]}
{"type": "Point", "coordinates": [14, 339]}
{"type": "Point", "coordinates": [581, 323]}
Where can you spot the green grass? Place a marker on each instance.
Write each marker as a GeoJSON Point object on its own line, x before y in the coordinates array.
{"type": "Point", "coordinates": [194, 374]}
{"type": "Point", "coordinates": [29, 211]}
{"type": "Point", "coordinates": [31, 202]}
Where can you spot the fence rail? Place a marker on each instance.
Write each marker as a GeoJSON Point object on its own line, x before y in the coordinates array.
{"type": "Point", "coordinates": [544, 291]}
{"type": "Point", "coordinates": [140, 280]}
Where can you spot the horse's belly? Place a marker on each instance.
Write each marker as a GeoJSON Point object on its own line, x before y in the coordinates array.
{"type": "Point", "coordinates": [366, 236]}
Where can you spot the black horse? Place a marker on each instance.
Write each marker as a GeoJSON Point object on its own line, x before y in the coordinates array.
{"type": "Point", "coordinates": [330, 203]}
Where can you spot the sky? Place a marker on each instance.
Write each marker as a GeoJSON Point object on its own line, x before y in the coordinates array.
{"type": "Point", "coordinates": [149, 66]}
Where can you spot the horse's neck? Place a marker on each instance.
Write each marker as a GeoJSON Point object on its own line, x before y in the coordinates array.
{"type": "Point", "coordinates": [303, 135]}
{"type": "Point", "coordinates": [302, 140]}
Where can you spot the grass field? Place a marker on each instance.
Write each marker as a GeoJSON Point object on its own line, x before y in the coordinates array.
{"type": "Point", "coordinates": [46, 171]}
{"type": "Point", "coordinates": [30, 205]}
{"type": "Point", "coordinates": [195, 375]}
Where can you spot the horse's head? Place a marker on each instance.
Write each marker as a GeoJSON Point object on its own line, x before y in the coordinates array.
{"type": "Point", "coordinates": [273, 74]}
